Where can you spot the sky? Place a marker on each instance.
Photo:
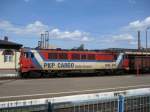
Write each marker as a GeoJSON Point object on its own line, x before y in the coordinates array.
{"type": "Point", "coordinates": [98, 24]}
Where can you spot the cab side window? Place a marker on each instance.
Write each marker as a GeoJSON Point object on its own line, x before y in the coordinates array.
{"type": "Point", "coordinates": [32, 55]}
{"type": "Point", "coordinates": [26, 54]}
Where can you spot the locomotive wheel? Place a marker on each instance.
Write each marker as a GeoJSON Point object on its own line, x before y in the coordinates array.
{"type": "Point", "coordinates": [100, 73]}
{"type": "Point", "coordinates": [60, 75]}
{"type": "Point", "coordinates": [119, 72]}
{"type": "Point", "coordinates": [24, 75]}
{"type": "Point", "coordinates": [46, 75]}
{"type": "Point", "coordinates": [145, 70]}
{"type": "Point", "coordinates": [34, 74]}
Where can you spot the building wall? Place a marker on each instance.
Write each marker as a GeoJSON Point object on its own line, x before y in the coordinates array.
{"type": "Point", "coordinates": [9, 68]}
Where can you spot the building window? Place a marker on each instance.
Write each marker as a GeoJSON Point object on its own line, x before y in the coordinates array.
{"type": "Point", "coordinates": [8, 55]}
{"type": "Point", "coordinates": [8, 58]}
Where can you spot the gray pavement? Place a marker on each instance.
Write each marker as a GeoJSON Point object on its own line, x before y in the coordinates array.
{"type": "Point", "coordinates": [40, 88]}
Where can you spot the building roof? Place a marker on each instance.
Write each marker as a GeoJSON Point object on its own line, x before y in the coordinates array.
{"type": "Point", "coordinates": [5, 44]}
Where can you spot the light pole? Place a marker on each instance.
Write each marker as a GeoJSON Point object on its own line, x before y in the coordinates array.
{"type": "Point", "coordinates": [146, 37]}
{"type": "Point", "coordinates": [47, 39]}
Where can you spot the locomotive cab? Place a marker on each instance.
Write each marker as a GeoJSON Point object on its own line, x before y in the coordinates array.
{"type": "Point", "coordinates": [26, 61]}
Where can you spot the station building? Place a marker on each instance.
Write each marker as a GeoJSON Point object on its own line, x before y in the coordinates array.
{"type": "Point", "coordinates": [9, 58]}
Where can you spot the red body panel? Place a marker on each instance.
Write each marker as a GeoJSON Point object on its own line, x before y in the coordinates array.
{"type": "Point", "coordinates": [104, 57]}
{"type": "Point", "coordinates": [98, 55]}
{"type": "Point", "coordinates": [26, 64]}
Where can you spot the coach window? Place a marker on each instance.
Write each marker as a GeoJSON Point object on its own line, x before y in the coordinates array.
{"type": "Point", "coordinates": [8, 55]}
{"type": "Point", "coordinates": [63, 56]}
{"type": "Point", "coordinates": [76, 56]}
{"type": "Point", "coordinates": [83, 56]}
{"type": "Point", "coordinates": [52, 56]}
{"type": "Point", "coordinates": [91, 56]}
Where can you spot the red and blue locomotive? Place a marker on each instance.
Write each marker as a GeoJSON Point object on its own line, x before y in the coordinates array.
{"type": "Point", "coordinates": [56, 61]}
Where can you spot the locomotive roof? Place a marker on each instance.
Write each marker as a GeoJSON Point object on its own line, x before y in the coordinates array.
{"type": "Point", "coordinates": [128, 50]}
{"type": "Point", "coordinates": [99, 50]}
{"type": "Point", "coordinates": [59, 49]}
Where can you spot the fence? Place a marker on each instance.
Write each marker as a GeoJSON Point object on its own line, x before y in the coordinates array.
{"type": "Point", "coordinates": [137, 100]}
